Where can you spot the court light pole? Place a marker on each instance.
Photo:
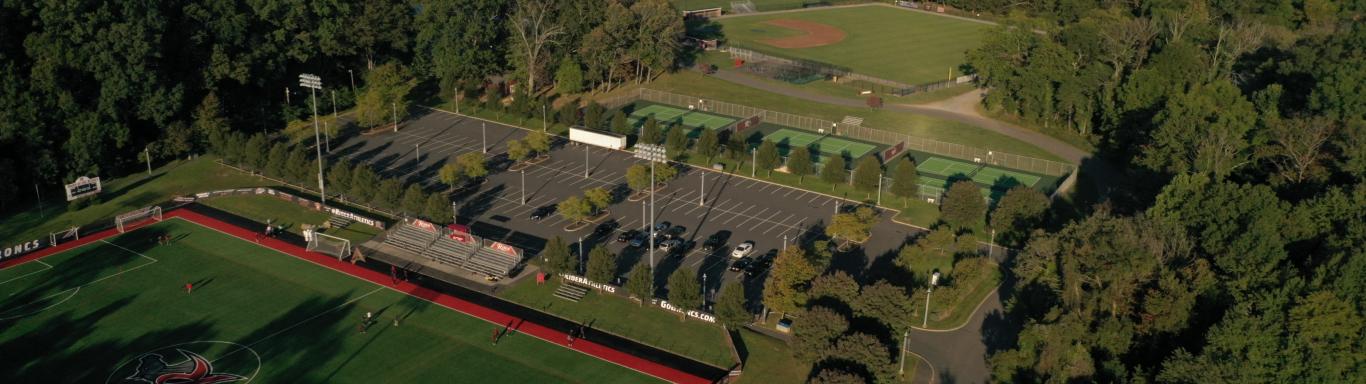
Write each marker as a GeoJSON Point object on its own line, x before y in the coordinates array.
{"type": "Point", "coordinates": [901, 362]}
{"type": "Point", "coordinates": [353, 83]}
{"type": "Point", "coordinates": [652, 153]}
{"type": "Point", "coordinates": [314, 83]}
{"type": "Point", "coordinates": [327, 135]}
{"type": "Point", "coordinates": [753, 161]}
{"type": "Point", "coordinates": [934, 279]}
{"type": "Point", "coordinates": [395, 106]}
{"type": "Point", "coordinates": [879, 190]}
{"type": "Point", "coordinates": [484, 135]}
{"type": "Point", "coordinates": [523, 187]}
{"type": "Point", "coordinates": [543, 121]}
{"type": "Point", "coordinates": [419, 152]}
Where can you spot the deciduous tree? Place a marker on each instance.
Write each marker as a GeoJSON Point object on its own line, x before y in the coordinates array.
{"type": "Point", "coordinates": [814, 333]}
{"type": "Point", "coordinates": [555, 256]}
{"type": "Point", "coordinates": [867, 174]}
{"type": "Point", "coordinates": [684, 290]}
{"type": "Point", "coordinates": [833, 171]}
{"type": "Point", "coordinates": [799, 162]}
{"type": "Point", "coordinates": [574, 209]}
{"type": "Point", "coordinates": [905, 181]}
{"type": "Point", "coordinates": [602, 265]}
{"type": "Point", "coordinates": [731, 309]}
{"type": "Point", "coordinates": [473, 164]}
{"type": "Point", "coordinates": [414, 200]}
{"type": "Point", "coordinates": [767, 158]}
{"type": "Point", "coordinates": [438, 208]}
{"type": "Point", "coordinates": [640, 282]}
{"type": "Point", "coordinates": [534, 32]}
{"type": "Point", "coordinates": [677, 141]}
{"type": "Point", "coordinates": [1019, 212]}
{"type": "Point", "coordinates": [386, 90]}
{"type": "Point", "coordinates": [963, 206]}
{"type": "Point", "coordinates": [785, 289]}
{"type": "Point", "coordinates": [707, 145]}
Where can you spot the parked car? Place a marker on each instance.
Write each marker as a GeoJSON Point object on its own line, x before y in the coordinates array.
{"type": "Point", "coordinates": [743, 249]}
{"type": "Point", "coordinates": [661, 226]}
{"type": "Point", "coordinates": [676, 231]}
{"type": "Point", "coordinates": [640, 239]}
{"type": "Point", "coordinates": [740, 264]}
{"type": "Point", "coordinates": [669, 245]}
{"type": "Point", "coordinates": [627, 236]}
{"type": "Point", "coordinates": [543, 212]}
{"type": "Point", "coordinates": [716, 240]}
{"type": "Point", "coordinates": [757, 267]}
{"type": "Point", "coordinates": [605, 229]}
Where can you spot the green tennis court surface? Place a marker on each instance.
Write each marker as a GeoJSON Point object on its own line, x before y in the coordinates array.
{"type": "Point", "coordinates": [98, 313]}
{"type": "Point", "coordinates": [945, 167]}
{"type": "Point", "coordinates": [993, 176]}
{"type": "Point", "coordinates": [668, 114]}
{"type": "Point", "coordinates": [824, 144]}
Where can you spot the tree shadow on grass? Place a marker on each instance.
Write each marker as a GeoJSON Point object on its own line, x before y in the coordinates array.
{"type": "Point", "coordinates": [303, 338]}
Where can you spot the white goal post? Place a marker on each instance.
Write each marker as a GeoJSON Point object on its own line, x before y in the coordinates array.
{"type": "Point", "coordinates": [73, 233]}
{"type": "Point", "coordinates": [328, 244]}
{"type": "Point", "coordinates": [126, 220]}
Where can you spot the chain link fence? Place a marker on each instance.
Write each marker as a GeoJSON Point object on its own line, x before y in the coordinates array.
{"type": "Point", "coordinates": [954, 150]}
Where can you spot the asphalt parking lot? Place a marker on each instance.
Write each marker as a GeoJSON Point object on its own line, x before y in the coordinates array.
{"type": "Point", "coordinates": [702, 201]}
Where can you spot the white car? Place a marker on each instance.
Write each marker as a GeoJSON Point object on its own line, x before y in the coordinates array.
{"type": "Point", "coordinates": [742, 250]}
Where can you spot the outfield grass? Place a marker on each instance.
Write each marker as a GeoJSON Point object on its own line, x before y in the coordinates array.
{"type": "Point", "coordinates": [623, 317]}
{"type": "Point", "coordinates": [696, 84]}
{"type": "Point", "coordinates": [760, 5]}
{"type": "Point", "coordinates": [290, 215]}
{"type": "Point", "coordinates": [301, 319]}
{"type": "Point", "coordinates": [181, 177]}
{"type": "Point", "coordinates": [893, 44]}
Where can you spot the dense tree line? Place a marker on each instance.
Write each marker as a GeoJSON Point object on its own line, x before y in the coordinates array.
{"type": "Point", "coordinates": [87, 85]}
{"type": "Point", "coordinates": [1234, 253]}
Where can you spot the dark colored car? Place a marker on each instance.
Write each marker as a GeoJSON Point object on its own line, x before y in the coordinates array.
{"type": "Point", "coordinates": [661, 226]}
{"type": "Point", "coordinates": [605, 229]}
{"type": "Point", "coordinates": [716, 240]}
{"type": "Point", "coordinates": [640, 239]}
{"type": "Point", "coordinates": [761, 264]}
{"type": "Point", "coordinates": [740, 264]}
{"type": "Point", "coordinates": [676, 231]}
{"type": "Point", "coordinates": [543, 212]}
{"type": "Point", "coordinates": [627, 236]}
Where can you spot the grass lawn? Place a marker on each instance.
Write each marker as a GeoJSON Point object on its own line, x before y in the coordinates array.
{"type": "Point", "coordinates": [770, 361]}
{"type": "Point", "coordinates": [623, 317]}
{"type": "Point", "coordinates": [290, 215]}
{"type": "Point", "coordinates": [759, 5]}
{"type": "Point", "coordinates": [696, 84]}
{"type": "Point", "coordinates": [946, 315]}
{"type": "Point", "coordinates": [96, 313]}
{"type": "Point", "coordinates": [885, 42]}
{"type": "Point", "coordinates": [181, 177]}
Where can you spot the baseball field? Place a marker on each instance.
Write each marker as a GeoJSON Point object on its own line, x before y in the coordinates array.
{"type": "Point", "coordinates": [881, 41]}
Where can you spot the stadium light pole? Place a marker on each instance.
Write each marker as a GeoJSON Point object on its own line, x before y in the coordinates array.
{"type": "Point", "coordinates": [702, 198]}
{"type": "Point", "coordinates": [652, 153]}
{"type": "Point", "coordinates": [314, 83]}
{"type": "Point", "coordinates": [395, 106]}
{"type": "Point", "coordinates": [484, 135]}
{"type": "Point", "coordinates": [543, 126]}
{"type": "Point", "coordinates": [585, 162]}
{"type": "Point", "coordinates": [353, 83]}
{"type": "Point", "coordinates": [523, 187]}
{"type": "Point", "coordinates": [879, 190]}
{"type": "Point", "coordinates": [901, 362]}
{"type": "Point", "coordinates": [753, 161]}
{"type": "Point", "coordinates": [147, 154]}
{"type": "Point", "coordinates": [326, 134]}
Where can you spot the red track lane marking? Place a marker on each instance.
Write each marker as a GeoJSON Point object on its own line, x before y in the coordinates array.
{"type": "Point", "coordinates": [547, 334]}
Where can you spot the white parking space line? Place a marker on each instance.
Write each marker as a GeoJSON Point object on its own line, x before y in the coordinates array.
{"type": "Point", "coordinates": [789, 192]}
{"type": "Point", "coordinates": [738, 214]}
{"type": "Point", "coordinates": [752, 217]}
{"type": "Point", "coordinates": [813, 199]}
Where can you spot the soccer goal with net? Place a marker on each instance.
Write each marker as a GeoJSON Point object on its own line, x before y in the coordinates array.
{"type": "Point", "coordinates": [126, 220]}
{"type": "Point", "coordinates": [746, 6]}
{"type": "Point", "coordinates": [65, 235]}
{"type": "Point", "coordinates": [328, 244]}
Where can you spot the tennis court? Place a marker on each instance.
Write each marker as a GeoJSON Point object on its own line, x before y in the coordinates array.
{"type": "Point", "coordinates": [945, 167]}
{"type": "Point", "coordinates": [992, 176]}
{"type": "Point", "coordinates": [668, 114]}
{"type": "Point", "coordinates": [825, 144]}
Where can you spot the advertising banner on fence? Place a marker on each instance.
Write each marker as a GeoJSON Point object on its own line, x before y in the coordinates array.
{"type": "Point", "coordinates": [593, 284]}
{"type": "Point", "coordinates": [425, 225]}
{"type": "Point", "coordinates": [890, 153]}
{"type": "Point", "coordinates": [707, 317]}
{"type": "Point", "coordinates": [20, 249]}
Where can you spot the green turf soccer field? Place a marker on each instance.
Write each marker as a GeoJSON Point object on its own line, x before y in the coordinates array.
{"type": "Point", "coordinates": [95, 313]}
{"type": "Point", "coordinates": [894, 44]}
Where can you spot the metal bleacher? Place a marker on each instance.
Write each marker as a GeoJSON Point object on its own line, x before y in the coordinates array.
{"type": "Point", "coordinates": [490, 262]}
{"type": "Point", "coordinates": [449, 251]}
{"type": "Point", "coordinates": [410, 238]}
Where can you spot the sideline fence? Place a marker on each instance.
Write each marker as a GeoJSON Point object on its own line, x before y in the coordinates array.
{"type": "Point", "coordinates": [954, 150]}
{"type": "Point", "coordinates": [783, 68]}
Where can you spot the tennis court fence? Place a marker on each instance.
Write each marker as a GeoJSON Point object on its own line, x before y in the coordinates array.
{"type": "Point", "coordinates": [954, 150]}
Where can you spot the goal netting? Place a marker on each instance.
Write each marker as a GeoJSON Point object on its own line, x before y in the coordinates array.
{"type": "Point", "coordinates": [328, 244]}
{"type": "Point", "coordinates": [65, 235]}
{"type": "Point", "coordinates": [127, 220]}
{"type": "Point", "coordinates": [742, 7]}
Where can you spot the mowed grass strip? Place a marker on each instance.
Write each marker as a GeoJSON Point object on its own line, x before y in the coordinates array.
{"type": "Point", "coordinates": [290, 215]}
{"type": "Point", "coordinates": [656, 327]}
{"type": "Point", "coordinates": [885, 42]}
{"type": "Point", "coordinates": [300, 318]}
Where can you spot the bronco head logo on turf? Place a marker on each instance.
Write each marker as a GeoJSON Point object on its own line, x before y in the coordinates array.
{"type": "Point", "coordinates": [195, 369]}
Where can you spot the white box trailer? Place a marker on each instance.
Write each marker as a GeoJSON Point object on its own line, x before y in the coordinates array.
{"type": "Point", "coordinates": [598, 138]}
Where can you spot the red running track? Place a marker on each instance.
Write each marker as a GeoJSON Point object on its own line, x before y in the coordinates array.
{"type": "Point", "coordinates": [497, 318]}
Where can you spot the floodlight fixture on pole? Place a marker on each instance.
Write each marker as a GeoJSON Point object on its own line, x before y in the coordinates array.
{"type": "Point", "coordinates": [314, 83]}
{"type": "Point", "coordinates": [652, 153]}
